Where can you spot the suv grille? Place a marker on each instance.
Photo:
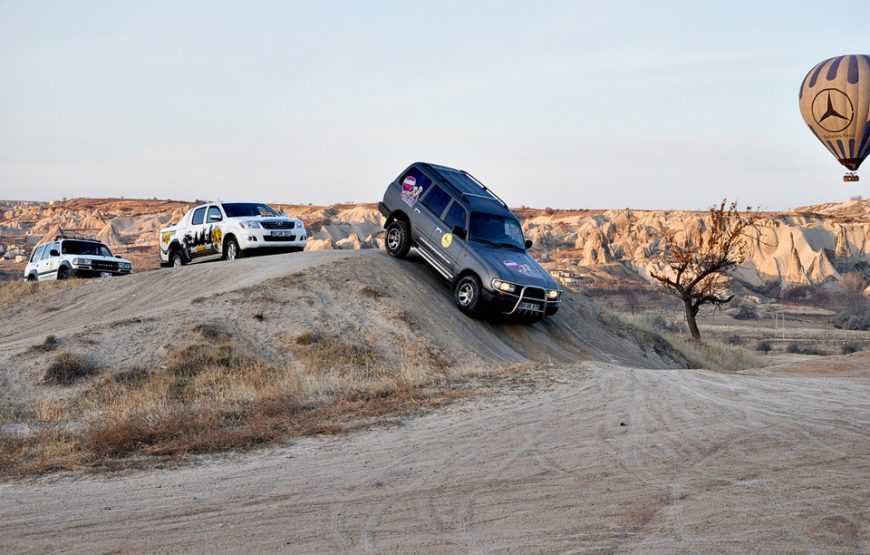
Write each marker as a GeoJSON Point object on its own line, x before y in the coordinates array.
{"type": "Point", "coordinates": [104, 265]}
{"type": "Point", "coordinates": [534, 293]}
{"type": "Point", "coordinates": [278, 225]}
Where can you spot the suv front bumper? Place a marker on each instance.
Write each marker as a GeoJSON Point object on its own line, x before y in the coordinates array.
{"type": "Point", "coordinates": [509, 303]}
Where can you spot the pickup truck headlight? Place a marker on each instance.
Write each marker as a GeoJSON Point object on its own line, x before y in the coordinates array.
{"type": "Point", "coordinates": [500, 285]}
{"type": "Point", "coordinates": [250, 224]}
{"type": "Point", "coordinates": [553, 295]}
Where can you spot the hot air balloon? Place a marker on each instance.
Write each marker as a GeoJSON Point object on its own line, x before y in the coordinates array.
{"type": "Point", "coordinates": [835, 103]}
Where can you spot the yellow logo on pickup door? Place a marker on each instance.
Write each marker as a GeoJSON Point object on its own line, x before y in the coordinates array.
{"type": "Point", "coordinates": [216, 237]}
{"type": "Point", "coordinates": [166, 237]}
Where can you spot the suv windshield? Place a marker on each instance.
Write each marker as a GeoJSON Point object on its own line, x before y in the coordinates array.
{"type": "Point", "coordinates": [85, 247]}
{"type": "Point", "coordinates": [502, 231]}
{"type": "Point", "coordinates": [248, 209]}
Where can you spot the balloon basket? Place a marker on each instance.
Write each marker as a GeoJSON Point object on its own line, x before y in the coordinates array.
{"type": "Point", "coordinates": [850, 178]}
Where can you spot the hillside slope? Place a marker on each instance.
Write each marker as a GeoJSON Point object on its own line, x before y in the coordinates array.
{"type": "Point", "coordinates": [396, 308]}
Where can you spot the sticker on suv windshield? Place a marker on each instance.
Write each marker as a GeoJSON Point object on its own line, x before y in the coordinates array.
{"type": "Point", "coordinates": [524, 269]}
{"type": "Point", "coordinates": [411, 191]}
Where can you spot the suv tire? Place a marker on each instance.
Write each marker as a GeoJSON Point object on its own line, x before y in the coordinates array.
{"type": "Point", "coordinates": [232, 250]}
{"type": "Point", "coordinates": [63, 272]}
{"type": "Point", "coordinates": [467, 295]}
{"type": "Point", "coordinates": [398, 239]}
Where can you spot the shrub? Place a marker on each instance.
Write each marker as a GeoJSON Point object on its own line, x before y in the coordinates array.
{"type": "Point", "coordinates": [800, 349]}
{"type": "Point", "coordinates": [734, 339]}
{"type": "Point", "coordinates": [50, 344]}
{"type": "Point", "coordinates": [850, 347]}
{"type": "Point", "coordinates": [68, 368]}
{"type": "Point", "coordinates": [854, 317]}
{"type": "Point", "coordinates": [764, 346]}
{"type": "Point", "coordinates": [745, 312]}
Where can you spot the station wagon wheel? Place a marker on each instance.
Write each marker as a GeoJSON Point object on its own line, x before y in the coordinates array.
{"type": "Point", "coordinates": [466, 295]}
{"type": "Point", "coordinates": [232, 250]}
{"type": "Point", "coordinates": [398, 241]}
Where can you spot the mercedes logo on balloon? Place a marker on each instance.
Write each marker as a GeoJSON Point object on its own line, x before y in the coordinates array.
{"type": "Point", "coordinates": [835, 103]}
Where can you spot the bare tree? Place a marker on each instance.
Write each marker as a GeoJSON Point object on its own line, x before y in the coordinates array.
{"type": "Point", "coordinates": [697, 266]}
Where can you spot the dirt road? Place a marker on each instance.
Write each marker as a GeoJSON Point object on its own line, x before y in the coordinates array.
{"type": "Point", "coordinates": [595, 459]}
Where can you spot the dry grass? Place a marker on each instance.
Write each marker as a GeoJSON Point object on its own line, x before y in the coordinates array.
{"type": "Point", "coordinates": [49, 344]}
{"type": "Point", "coordinates": [705, 353]}
{"type": "Point", "coordinates": [214, 395]}
{"type": "Point", "coordinates": [13, 293]}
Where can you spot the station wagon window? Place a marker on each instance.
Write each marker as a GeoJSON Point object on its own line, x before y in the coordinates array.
{"type": "Point", "coordinates": [436, 200]}
{"type": "Point", "coordinates": [36, 253]}
{"type": "Point", "coordinates": [214, 214]}
{"type": "Point", "coordinates": [197, 216]}
{"type": "Point", "coordinates": [455, 216]}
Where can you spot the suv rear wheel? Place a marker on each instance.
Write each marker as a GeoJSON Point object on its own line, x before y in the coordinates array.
{"type": "Point", "coordinates": [466, 295]}
{"type": "Point", "coordinates": [398, 240]}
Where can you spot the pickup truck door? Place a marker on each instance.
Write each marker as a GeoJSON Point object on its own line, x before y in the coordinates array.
{"type": "Point", "coordinates": [214, 234]}
{"type": "Point", "coordinates": [195, 235]}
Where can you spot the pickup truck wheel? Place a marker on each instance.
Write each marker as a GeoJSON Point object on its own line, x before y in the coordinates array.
{"type": "Point", "coordinates": [232, 250]}
{"type": "Point", "coordinates": [466, 295]}
{"type": "Point", "coordinates": [398, 241]}
{"type": "Point", "coordinates": [177, 259]}
{"type": "Point", "coordinates": [63, 272]}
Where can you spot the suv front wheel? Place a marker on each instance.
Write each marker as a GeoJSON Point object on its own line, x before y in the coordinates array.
{"type": "Point", "coordinates": [467, 295]}
{"type": "Point", "coordinates": [398, 241]}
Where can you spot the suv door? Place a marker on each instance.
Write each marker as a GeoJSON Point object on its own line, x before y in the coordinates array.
{"type": "Point", "coordinates": [431, 227]}
{"type": "Point", "coordinates": [195, 239]}
{"type": "Point", "coordinates": [445, 240]}
{"type": "Point", "coordinates": [46, 268]}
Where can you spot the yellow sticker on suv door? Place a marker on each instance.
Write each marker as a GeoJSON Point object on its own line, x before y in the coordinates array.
{"type": "Point", "coordinates": [446, 240]}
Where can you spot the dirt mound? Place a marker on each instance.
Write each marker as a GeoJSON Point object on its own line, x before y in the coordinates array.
{"type": "Point", "coordinates": [267, 303]}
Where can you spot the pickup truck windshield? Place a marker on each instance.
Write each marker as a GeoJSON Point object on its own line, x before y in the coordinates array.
{"type": "Point", "coordinates": [248, 209]}
{"type": "Point", "coordinates": [85, 247]}
{"type": "Point", "coordinates": [501, 231]}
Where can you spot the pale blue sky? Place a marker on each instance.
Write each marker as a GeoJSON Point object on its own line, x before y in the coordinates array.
{"type": "Point", "coordinates": [564, 104]}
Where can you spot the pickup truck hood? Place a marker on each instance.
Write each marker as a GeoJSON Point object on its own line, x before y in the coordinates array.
{"type": "Point", "coordinates": [515, 266]}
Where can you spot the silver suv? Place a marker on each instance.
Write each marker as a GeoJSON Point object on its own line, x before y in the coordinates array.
{"type": "Point", "coordinates": [68, 256]}
{"type": "Point", "coordinates": [469, 236]}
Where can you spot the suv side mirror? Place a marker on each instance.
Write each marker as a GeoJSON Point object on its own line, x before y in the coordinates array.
{"type": "Point", "coordinates": [53, 252]}
{"type": "Point", "coordinates": [459, 231]}
{"type": "Point", "coordinates": [528, 243]}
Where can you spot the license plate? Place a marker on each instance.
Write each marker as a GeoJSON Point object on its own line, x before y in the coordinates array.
{"type": "Point", "coordinates": [530, 306]}
{"type": "Point", "coordinates": [105, 274]}
{"type": "Point", "coordinates": [281, 233]}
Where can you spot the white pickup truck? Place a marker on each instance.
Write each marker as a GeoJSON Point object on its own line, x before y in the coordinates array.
{"type": "Point", "coordinates": [229, 230]}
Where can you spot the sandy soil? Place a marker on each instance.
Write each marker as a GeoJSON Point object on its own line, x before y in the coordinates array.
{"type": "Point", "coordinates": [769, 461]}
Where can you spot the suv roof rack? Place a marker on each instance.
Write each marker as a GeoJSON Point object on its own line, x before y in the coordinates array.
{"type": "Point", "coordinates": [64, 235]}
{"type": "Point", "coordinates": [465, 195]}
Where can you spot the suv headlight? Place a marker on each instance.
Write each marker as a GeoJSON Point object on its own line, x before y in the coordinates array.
{"type": "Point", "coordinates": [500, 285]}
{"type": "Point", "coordinates": [125, 265]}
{"type": "Point", "coordinates": [553, 295]}
{"type": "Point", "coordinates": [81, 261]}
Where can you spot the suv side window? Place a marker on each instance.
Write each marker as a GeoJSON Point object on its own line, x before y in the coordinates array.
{"type": "Point", "coordinates": [436, 200]}
{"type": "Point", "coordinates": [47, 252]}
{"type": "Point", "coordinates": [196, 219]}
{"type": "Point", "coordinates": [37, 252]}
{"type": "Point", "coordinates": [456, 216]}
{"type": "Point", "coordinates": [214, 214]}
{"type": "Point", "coordinates": [414, 185]}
